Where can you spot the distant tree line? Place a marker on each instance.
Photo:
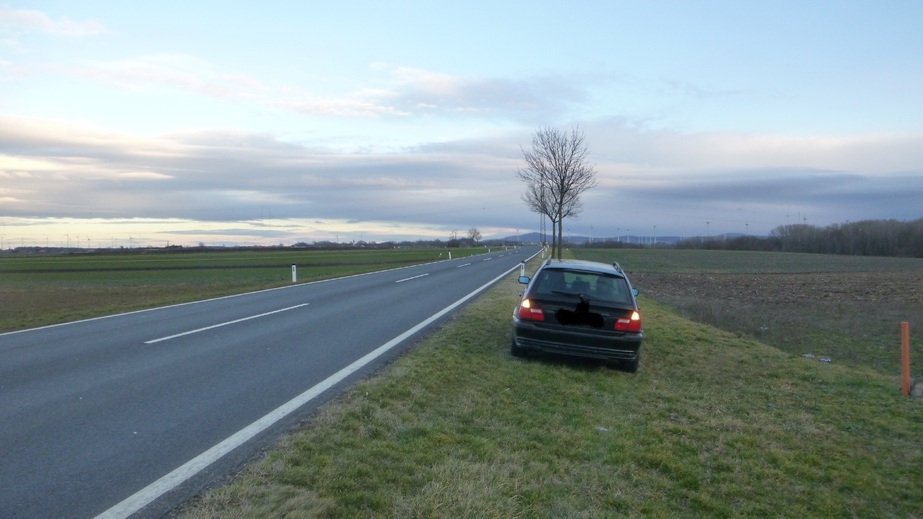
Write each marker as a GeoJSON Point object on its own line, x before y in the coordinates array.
{"type": "Point", "coordinates": [407, 244]}
{"type": "Point", "coordinates": [472, 240]}
{"type": "Point", "coordinates": [862, 238]}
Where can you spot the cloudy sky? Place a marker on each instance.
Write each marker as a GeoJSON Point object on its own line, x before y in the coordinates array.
{"type": "Point", "coordinates": [282, 121]}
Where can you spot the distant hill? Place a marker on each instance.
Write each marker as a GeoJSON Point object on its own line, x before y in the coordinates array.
{"type": "Point", "coordinates": [534, 237]}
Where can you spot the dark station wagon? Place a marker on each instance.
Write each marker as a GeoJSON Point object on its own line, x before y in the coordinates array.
{"type": "Point", "coordinates": [581, 309]}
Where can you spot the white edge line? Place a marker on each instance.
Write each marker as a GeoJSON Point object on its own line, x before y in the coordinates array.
{"type": "Point", "coordinates": [178, 476]}
{"type": "Point", "coordinates": [414, 277]}
{"type": "Point", "coordinates": [219, 325]}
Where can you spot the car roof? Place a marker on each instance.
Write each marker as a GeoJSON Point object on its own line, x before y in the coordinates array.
{"type": "Point", "coordinates": [591, 266]}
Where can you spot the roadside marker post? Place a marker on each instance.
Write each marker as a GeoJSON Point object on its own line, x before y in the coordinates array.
{"type": "Point", "coordinates": [294, 273]}
{"type": "Point", "coordinates": [905, 358]}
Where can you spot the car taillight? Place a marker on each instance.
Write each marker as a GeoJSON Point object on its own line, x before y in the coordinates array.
{"type": "Point", "coordinates": [529, 312]}
{"type": "Point", "coordinates": [629, 324]}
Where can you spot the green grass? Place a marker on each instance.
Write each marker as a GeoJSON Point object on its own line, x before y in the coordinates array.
{"type": "Point", "coordinates": [713, 425]}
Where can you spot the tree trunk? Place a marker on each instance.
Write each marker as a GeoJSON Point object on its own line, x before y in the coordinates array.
{"type": "Point", "coordinates": [560, 236]}
{"type": "Point", "coordinates": [554, 238]}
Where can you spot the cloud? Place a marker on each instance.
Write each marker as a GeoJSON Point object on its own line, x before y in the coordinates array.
{"type": "Point", "coordinates": [395, 92]}
{"type": "Point", "coordinates": [218, 176]}
{"type": "Point", "coordinates": [758, 198]}
{"type": "Point", "coordinates": [404, 92]}
{"type": "Point", "coordinates": [427, 92]}
{"type": "Point", "coordinates": [621, 141]}
{"type": "Point", "coordinates": [180, 71]}
{"type": "Point", "coordinates": [675, 181]}
{"type": "Point", "coordinates": [363, 106]}
{"type": "Point", "coordinates": [390, 92]}
{"type": "Point", "coordinates": [31, 21]}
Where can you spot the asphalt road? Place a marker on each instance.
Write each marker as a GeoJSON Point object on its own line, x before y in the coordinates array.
{"type": "Point", "coordinates": [130, 415]}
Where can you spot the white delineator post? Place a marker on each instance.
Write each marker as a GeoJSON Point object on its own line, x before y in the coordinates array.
{"type": "Point", "coordinates": [905, 358]}
{"type": "Point", "coordinates": [294, 273]}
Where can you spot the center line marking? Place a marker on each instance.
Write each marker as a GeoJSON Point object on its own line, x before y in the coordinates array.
{"type": "Point", "coordinates": [408, 279]}
{"type": "Point", "coordinates": [463, 265]}
{"type": "Point", "coordinates": [224, 324]}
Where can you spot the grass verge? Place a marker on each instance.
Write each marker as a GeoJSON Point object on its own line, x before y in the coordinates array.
{"type": "Point", "coordinates": [712, 425]}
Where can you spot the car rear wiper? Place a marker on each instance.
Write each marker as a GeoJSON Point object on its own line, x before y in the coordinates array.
{"type": "Point", "coordinates": [583, 298]}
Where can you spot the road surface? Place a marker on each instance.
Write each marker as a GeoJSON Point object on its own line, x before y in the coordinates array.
{"type": "Point", "coordinates": [130, 415]}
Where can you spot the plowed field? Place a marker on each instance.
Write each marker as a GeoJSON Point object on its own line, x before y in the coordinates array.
{"type": "Point", "coordinates": [840, 309]}
{"type": "Point", "coordinates": [892, 288]}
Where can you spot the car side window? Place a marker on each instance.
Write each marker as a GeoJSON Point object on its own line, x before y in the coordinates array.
{"type": "Point", "coordinates": [551, 281]}
{"type": "Point", "coordinates": [611, 289]}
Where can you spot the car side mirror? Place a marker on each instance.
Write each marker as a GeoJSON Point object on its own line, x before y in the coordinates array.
{"type": "Point", "coordinates": [524, 280]}
{"type": "Point", "coordinates": [635, 291]}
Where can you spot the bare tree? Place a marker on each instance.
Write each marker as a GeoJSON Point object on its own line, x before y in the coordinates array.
{"type": "Point", "coordinates": [474, 234]}
{"type": "Point", "coordinates": [556, 174]}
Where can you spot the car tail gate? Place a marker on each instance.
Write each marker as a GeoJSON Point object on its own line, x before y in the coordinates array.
{"type": "Point", "coordinates": [579, 312]}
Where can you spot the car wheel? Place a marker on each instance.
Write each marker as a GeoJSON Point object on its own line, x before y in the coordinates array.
{"type": "Point", "coordinates": [515, 350]}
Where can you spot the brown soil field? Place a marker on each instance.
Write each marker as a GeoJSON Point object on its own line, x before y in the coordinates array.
{"type": "Point", "coordinates": [848, 317]}
{"type": "Point", "coordinates": [892, 288]}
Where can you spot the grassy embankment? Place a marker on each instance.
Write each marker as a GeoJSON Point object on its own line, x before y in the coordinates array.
{"type": "Point", "coordinates": [713, 424]}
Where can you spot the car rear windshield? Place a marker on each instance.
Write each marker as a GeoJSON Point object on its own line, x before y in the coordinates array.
{"type": "Point", "coordinates": [593, 286]}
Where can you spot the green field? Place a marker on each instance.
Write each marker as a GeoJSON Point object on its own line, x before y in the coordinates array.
{"type": "Point", "coordinates": [713, 425]}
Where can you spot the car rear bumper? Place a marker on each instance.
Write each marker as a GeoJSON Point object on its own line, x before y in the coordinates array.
{"type": "Point", "coordinates": [577, 341]}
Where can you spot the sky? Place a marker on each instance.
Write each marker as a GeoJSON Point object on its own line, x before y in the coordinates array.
{"type": "Point", "coordinates": [262, 123]}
